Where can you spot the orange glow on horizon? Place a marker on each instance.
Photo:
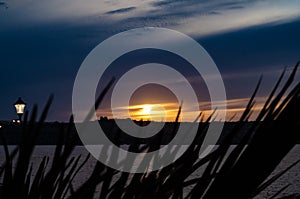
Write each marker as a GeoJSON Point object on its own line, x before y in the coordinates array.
{"type": "Point", "coordinates": [153, 112]}
{"type": "Point", "coordinates": [157, 111]}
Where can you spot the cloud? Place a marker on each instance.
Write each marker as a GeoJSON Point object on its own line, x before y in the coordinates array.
{"type": "Point", "coordinates": [3, 4]}
{"type": "Point", "coordinates": [191, 17]}
{"type": "Point", "coordinates": [121, 10]}
{"type": "Point", "coordinates": [233, 108]}
{"type": "Point", "coordinates": [202, 18]}
{"type": "Point", "coordinates": [245, 16]}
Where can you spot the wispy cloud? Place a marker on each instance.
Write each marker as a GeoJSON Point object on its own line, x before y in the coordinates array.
{"type": "Point", "coordinates": [191, 17]}
{"type": "Point", "coordinates": [232, 108]}
{"type": "Point", "coordinates": [3, 4]}
{"type": "Point", "coordinates": [121, 10]}
{"type": "Point", "coordinates": [201, 18]}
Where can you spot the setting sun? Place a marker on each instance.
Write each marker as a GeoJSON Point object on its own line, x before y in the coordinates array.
{"type": "Point", "coordinates": [153, 112]}
{"type": "Point", "coordinates": [146, 110]}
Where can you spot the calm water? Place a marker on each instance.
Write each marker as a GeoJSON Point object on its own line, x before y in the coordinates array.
{"type": "Point", "coordinates": [292, 177]}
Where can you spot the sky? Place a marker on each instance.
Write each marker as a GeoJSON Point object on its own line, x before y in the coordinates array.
{"type": "Point", "coordinates": [43, 43]}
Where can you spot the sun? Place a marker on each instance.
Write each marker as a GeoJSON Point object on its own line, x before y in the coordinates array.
{"type": "Point", "coordinates": [146, 109]}
{"type": "Point", "coordinates": [149, 112]}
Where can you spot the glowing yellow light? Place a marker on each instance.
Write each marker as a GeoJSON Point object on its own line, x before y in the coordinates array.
{"type": "Point", "coordinates": [20, 106]}
{"type": "Point", "coordinates": [146, 110]}
{"type": "Point", "coordinates": [153, 112]}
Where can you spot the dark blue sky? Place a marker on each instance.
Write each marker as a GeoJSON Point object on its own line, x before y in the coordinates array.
{"type": "Point", "coordinates": [43, 44]}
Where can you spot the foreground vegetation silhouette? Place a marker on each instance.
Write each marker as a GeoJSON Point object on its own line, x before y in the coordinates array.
{"type": "Point", "coordinates": [242, 172]}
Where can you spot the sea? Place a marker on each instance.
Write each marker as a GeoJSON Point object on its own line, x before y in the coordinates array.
{"type": "Point", "coordinates": [292, 177]}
